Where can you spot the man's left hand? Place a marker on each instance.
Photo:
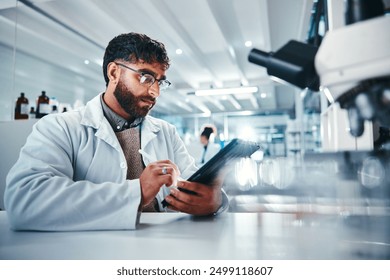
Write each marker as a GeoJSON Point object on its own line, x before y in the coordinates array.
{"type": "Point", "coordinates": [204, 199]}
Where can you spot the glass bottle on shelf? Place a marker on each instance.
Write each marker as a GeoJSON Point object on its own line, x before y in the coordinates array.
{"type": "Point", "coordinates": [21, 108]}
{"type": "Point", "coordinates": [43, 106]}
{"type": "Point", "coordinates": [54, 109]}
{"type": "Point", "coordinates": [32, 113]}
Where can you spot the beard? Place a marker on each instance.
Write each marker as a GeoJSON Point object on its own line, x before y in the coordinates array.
{"type": "Point", "coordinates": [131, 103]}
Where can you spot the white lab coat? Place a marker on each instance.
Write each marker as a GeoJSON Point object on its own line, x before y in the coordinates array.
{"type": "Point", "coordinates": [71, 173]}
{"type": "Point", "coordinates": [212, 150]}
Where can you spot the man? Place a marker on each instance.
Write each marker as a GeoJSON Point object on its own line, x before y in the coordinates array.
{"type": "Point", "coordinates": [81, 170]}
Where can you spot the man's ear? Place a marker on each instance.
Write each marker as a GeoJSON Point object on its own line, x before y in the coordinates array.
{"type": "Point", "coordinates": [113, 72]}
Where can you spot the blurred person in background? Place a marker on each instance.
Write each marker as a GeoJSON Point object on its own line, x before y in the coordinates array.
{"type": "Point", "coordinates": [207, 139]}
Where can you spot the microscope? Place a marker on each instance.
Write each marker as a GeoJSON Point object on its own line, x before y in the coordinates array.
{"type": "Point", "coordinates": [351, 65]}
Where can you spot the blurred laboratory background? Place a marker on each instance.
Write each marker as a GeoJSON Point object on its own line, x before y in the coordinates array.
{"type": "Point", "coordinates": [259, 70]}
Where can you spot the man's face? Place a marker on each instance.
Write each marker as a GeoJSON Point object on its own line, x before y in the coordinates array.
{"type": "Point", "coordinates": [135, 105]}
{"type": "Point", "coordinates": [137, 99]}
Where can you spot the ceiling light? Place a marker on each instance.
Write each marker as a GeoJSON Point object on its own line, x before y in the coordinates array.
{"type": "Point", "coordinates": [248, 44]}
{"type": "Point", "coordinates": [179, 51]}
{"type": "Point", "coordinates": [222, 91]}
{"type": "Point", "coordinates": [263, 95]}
{"type": "Point", "coordinates": [86, 61]}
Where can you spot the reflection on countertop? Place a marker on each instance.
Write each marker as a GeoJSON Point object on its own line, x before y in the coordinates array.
{"type": "Point", "coordinates": [346, 191]}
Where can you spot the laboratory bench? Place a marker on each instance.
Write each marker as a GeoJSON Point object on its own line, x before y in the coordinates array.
{"type": "Point", "coordinates": [243, 236]}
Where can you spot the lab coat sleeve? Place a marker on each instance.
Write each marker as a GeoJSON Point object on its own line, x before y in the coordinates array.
{"type": "Point", "coordinates": [42, 194]}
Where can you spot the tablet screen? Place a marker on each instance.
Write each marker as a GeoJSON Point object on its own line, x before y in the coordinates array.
{"type": "Point", "coordinates": [237, 148]}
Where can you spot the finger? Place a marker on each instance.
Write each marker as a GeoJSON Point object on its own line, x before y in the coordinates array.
{"type": "Point", "coordinates": [162, 173]}
{"type": "Point", "coordinates": [177, 205]}
{"type": "Point", "coordinates": [168, 175]}
{"type": "Point", "coordinates": [169, 163]}
{"type": "Point", "coordinates": [188, 199]}
{"type": "Point", "coordinates": [164, 170]}
{"type": "Point", "coordinates": [181, 206]}
{"type": "Point", "coordinates": [167, 180]}
{"type": "Point", "coordinates": [159, 169]}
{"type": "Point", "coordinates": [164, 167]}
{"type": "Point", "coordinates": [173, 208]}
{"type": "Point", "coordinates": [167, 169]}
{"type": "Point", "coordinates": [200, 189]}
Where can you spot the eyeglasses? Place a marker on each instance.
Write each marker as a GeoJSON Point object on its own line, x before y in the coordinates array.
{"type": "Point", "coordinates": [148, 79]}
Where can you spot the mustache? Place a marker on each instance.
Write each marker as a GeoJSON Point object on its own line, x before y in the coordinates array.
{"type": "Point", "coordinates": [148, 98]}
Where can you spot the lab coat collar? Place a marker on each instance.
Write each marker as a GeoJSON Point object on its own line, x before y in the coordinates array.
{"type": "Point", "coordinates": [93, 113]}
{"type": "Point", "coordinates": [94, 117]}
{"type": "Point", "coordinates": [149, 130]}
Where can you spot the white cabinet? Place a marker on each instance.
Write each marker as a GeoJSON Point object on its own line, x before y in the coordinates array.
{"type": "Point", "coordinates": [13, 135]}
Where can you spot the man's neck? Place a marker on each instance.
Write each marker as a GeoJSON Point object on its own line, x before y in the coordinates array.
{"type": "Point", "coordinates": [117, 122]}
{"type": "Point", "coordinates": [113, 104]}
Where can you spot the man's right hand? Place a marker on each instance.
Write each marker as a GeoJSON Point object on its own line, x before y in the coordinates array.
{"type": "Point", "coordinates": [156, 175]}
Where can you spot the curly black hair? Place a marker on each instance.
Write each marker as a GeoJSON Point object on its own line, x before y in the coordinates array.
{"type": "Point", "coordinates": [133, 47]}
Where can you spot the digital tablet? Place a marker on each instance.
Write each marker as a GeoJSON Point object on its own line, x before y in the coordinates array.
{"type": "Point", "coordinates": [237, 148]}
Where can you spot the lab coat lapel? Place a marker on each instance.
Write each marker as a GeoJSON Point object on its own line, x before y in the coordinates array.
{"type": "Point", "coordinates": [94, 117]}
{"type": "Point", "coordinates": [149, 130]}
{"type": "Point", "coordinates": [105, 133]}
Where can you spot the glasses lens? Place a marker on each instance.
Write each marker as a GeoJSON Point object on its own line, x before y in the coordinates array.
{"type": "Point", "coordinates": [164, 84]}
{"type": "Point", "coordinates": [147, 79]}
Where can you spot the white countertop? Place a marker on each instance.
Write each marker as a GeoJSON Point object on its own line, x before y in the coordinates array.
{"type": "Point", "coordinates": [230, 236]}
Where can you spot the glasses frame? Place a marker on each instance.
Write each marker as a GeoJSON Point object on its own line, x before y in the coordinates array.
{"type": "Point", "coordinates": [162, 83]}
